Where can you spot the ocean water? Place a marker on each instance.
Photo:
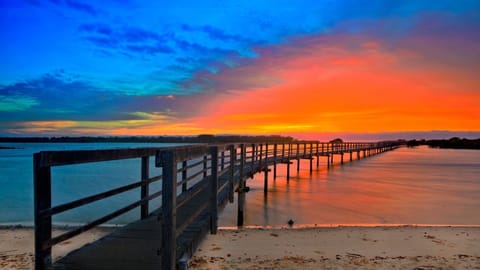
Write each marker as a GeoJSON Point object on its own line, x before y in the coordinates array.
{"type": "Point", "coordinates": [406, 186]}
{"type": "Point", "coordinates": [70, 182]}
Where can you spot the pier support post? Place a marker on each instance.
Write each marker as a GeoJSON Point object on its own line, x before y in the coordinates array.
{"type": "Point", "coordinates": [341, 158]}
{"type": "Point", "coordinates": [311, 161]}
{"type": "Point", "coordinates": [318, 157]}
{"type": "Point", "coordinates": [214, 190]}
{"type": "Point", "coordinates": [241, 188]}
{"type": "Point", "coordinates": [351, 155]}
{"type": "Point", "coordinates": [169, 209]}
{"type": "Point", "coordinates": [328, 161]}
{"type": "Point", "coordinates": [265, 183]}
{"type": "Point", "coordinates": [288, 161]}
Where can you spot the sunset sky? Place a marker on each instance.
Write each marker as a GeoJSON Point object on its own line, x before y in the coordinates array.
{"type": "Point", "coordinates": [300, 68]}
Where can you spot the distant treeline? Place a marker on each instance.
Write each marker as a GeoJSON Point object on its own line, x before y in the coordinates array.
{"type": "Point", "coordinates": [455, 143]}
{"type": "Point", "coordinates": [204, 138]}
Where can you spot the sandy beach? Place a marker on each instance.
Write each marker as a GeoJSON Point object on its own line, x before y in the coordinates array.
{"type": "Point", "coordinates": [17, 245]}
{"type": "Point", "coordinates": [391, 247]}
{"type": "Point", "coordinates": [399, 247]}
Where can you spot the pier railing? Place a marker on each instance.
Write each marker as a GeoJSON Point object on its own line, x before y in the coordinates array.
{"type": "Point", "coordinates": [205, 176]}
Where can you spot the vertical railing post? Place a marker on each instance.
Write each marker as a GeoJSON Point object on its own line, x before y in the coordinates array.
{"type": "Point", "coordinates": [311, 157]}
{"type": "Point", "coordinates": [265, 184]}
{"type": "Point", "coordinates": [222, 160]}
{"type": "Point", "coordinates": [253, 155]}
{"type": "Point", "coordinates": [214, 190]}
{"type": "Point", "coordinates": [260, 156]}
{"type": "Point", "coordinates": [42, 185]}
{"type": "Point", "coordinates": [298, 157]}
{"type": "Point", "coordinates": [233, 154]}
{"type": "Point", "coordinates": [205, 166]}
{"type": "Point", "coordinates": [169, 209]}
{"type": "Point", "coordinates": [184, 176]}
{"type": "Point", "coordinates": [318, 157]}
{"type": "Point", "coordinates": [241, 188]}
{"type": "Point", "coordinates": [275, 161]}
{"type": "Point", "coordinates": [144, 190]}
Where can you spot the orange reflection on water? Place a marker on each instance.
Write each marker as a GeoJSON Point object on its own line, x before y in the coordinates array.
{"type": "Point", "coordinates": [406, 186]}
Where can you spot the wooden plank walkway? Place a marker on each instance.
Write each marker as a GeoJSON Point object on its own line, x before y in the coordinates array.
{"type": "Point", "coordinates": [138, 245]}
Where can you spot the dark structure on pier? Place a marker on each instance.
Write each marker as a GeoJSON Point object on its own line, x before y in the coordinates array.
{"type": "Point", "coordinates": [196, 180]}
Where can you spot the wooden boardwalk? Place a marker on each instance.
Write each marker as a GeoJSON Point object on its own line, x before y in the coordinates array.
{"type": "Point", "coordinates": [166, 238]}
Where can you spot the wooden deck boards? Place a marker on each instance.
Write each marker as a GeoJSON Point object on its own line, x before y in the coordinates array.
{"type": "Point", "coordinates": [138, 244]}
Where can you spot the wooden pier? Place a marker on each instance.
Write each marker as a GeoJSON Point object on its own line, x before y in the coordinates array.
{"type": "Point", "coordinates": [196, 181]}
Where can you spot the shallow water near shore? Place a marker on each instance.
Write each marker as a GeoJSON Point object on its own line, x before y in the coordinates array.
{"type": "Point", "coordinates": [406, 186]}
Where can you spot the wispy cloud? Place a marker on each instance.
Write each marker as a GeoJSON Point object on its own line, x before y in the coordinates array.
{"type": "Point", "coordinates": [217, 33]}
{"type": "Point", "coordinates": [126, 39]}
{"type": "Point", "coordinates": [77, 5]}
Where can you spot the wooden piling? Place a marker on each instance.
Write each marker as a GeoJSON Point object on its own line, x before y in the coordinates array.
{"type": "Point", "coordinates": [288, 161]}
{"type": "Point", "coordinates": [265, 184]}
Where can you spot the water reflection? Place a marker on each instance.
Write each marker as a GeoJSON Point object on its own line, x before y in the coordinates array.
{"type": "Point", "coordinates": [406, 186]}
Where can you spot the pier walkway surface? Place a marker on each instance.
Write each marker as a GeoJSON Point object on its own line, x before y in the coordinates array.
{"type": "Point", "coordinates": [196, 181]}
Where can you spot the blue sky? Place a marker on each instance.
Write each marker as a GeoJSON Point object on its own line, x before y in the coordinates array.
{"type": "Point", "coordinates": [74, 67]}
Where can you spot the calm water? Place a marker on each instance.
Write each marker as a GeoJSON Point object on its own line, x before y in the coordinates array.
{"type": "Point", "coordinates": [405, 186]}
{"type": "Point", "coordinates": [69, 182]}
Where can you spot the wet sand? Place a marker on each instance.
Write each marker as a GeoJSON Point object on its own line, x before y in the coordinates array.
{"type": "Point", "coordinates": [399, 247]}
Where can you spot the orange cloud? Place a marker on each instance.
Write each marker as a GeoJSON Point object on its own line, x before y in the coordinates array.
{"type": "Point", "coordinates": [319, 87]}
